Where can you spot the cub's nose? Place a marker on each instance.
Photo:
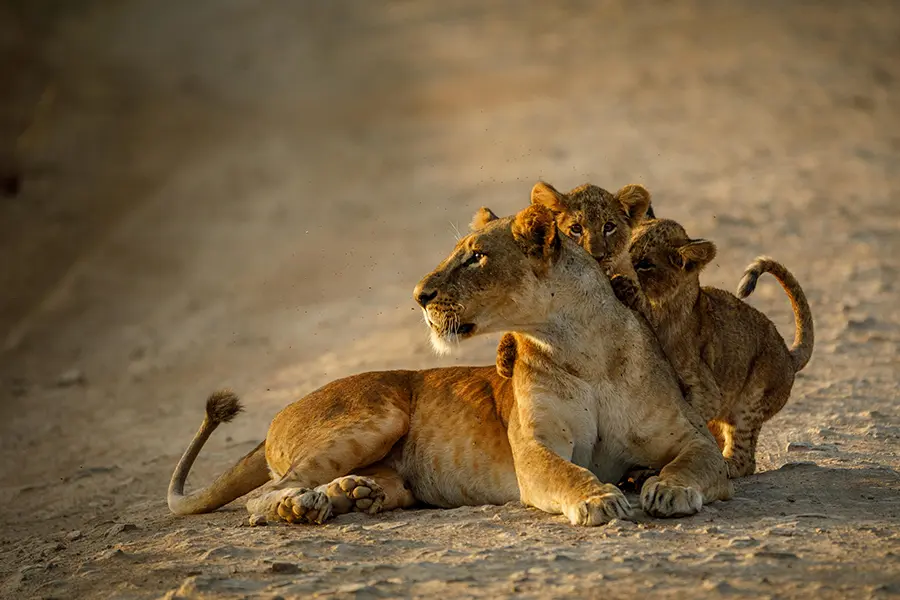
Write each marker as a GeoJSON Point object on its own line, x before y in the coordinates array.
{"type": "Point", "coordinates": [423, 294]}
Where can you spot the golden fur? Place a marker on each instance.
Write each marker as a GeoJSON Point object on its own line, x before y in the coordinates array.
{"type": "Point", "coordinates": [574, 418]}
{"type": "Point", "coordinates": [736, 366]}
{"type": "Point", "coordinates": [601, 223]}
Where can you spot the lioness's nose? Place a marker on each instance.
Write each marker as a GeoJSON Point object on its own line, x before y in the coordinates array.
{"type": "Point", "coordinates": [424, 294]}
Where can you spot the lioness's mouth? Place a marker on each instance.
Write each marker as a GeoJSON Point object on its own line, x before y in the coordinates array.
{"type": "Point", "coordinates": [466, 329]}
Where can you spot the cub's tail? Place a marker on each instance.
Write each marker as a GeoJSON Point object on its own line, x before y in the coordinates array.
{"type": "Point", "coordinates": [804, 336]}
{"type": "Point", "coordinates": [248, 474]}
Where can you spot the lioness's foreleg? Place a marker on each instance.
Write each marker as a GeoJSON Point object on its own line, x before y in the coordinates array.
{"type": "Point", "coordinates": [548, 480]}
{"type": "Point", "coordinates": [695, 477]}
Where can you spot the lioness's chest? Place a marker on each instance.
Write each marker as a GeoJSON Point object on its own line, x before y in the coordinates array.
{"type": "Point", "coordinates": [600, 426]}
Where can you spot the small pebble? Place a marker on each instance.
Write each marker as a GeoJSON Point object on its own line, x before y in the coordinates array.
{"type": "Point", "coordinates": [258, 521]}
{"type": "Point", "coordinates": [71, 377]}
{"type": "Point", "coordinates": [120, 528]}
{"type": "Point", "coordinates": [284, 568]}
{"type": "Point", "coordinates": [74, 535]}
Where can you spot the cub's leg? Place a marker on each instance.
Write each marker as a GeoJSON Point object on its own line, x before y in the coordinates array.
{"type": "Point", "coordinates": [757, 403]}
{"type": "Point", "coordinates": [629, 293]}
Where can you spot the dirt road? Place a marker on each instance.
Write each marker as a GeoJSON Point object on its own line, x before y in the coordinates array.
{"type": "Point", "coordinates": [232, 193]}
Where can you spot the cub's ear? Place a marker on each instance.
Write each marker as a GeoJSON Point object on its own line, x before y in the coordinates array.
{"type": "Point", "coordinates": [534, 229]}
{"type": "Point", "coordinates": [546, 195]}
{"type": "Point", "coordinates": [696, 254]}
{"type": "Point", "coordinates": [635, 201]}
{"type": "Point", "coordinates": [482, 218]}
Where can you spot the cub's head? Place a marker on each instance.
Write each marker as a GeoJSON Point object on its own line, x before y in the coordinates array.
{"type": "Point", "coordinates": [492, 281]}
{"type": "Point", "coordinates": [600, 222]}
{"type": "Point", "coordinates": [666, 259]}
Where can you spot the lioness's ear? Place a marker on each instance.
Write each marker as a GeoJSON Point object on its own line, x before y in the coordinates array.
{"type": "Point", "coordinates": [696, 254]}
{"type": "Point", "coordinates": [482, 218]}
{"type": "Point", "coordinates": [535, 231]}
{"type": "Point", "coordinates": [546, 195]}
{"type": "Point", "coordinates": [635, 201]}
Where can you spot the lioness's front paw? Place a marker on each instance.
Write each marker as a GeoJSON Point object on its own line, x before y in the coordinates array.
{"type": "Point", "coordinates": [355, 493]}
{"type": "Point", "coordinates": [301, 505]}
{"type": "Point", "coordinates": [597, 510]}
{"type": "Point", "coordinates": [660, 498]}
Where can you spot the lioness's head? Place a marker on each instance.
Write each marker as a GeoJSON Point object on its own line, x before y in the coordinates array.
{"type": "Point", "coordinates": [666, 259]}
{"type": "Point", "coordinates": [599, 221]}
{"type": "Point", "coordinates": [491, 280]}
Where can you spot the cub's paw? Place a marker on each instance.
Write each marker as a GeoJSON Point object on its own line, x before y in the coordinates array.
{"type": "Point", "coordinates": [355, 493]}
{"type": "Point", "coordinates": [663, 499]}
{"type": "Point", "coordinates": [625, 290]}
{"type": "Point", "coordinates": [597, 510]}
{"type": "Point", "coordinates": [739, 468]}
{"type": "Point", "coordinates": [300, 505]}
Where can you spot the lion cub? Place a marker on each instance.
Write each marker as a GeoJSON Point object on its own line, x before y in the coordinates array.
{"type": "Point", "coordinates": [736, 365]}
{"type": "Point", "coordinates": [601, 223]}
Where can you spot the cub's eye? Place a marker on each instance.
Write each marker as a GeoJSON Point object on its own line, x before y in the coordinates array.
{"type": "Point", "coordinates": [644, 265]}
{"type": "Point", "coordinates": [608, 227]}
{"type": "Point", "coordinates": [576, 229]}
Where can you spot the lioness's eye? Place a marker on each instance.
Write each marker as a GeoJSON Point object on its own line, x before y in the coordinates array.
{"type": "Point", "coordinates": [475, 258]}
{"type": "Point", "coordinates": [576, 229]}
{"type": "Point", "coordinates": [609, 227]}
{"type": "Point", "coordinates": [644, 265]}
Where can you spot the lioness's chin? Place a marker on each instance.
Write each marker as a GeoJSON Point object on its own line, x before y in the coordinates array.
{"type": "Point", "coordinates": [441, 345]}
{"type": "Point", "coordinates": [445, 343]}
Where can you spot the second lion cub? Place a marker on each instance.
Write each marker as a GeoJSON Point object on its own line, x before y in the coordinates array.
{"type": "Point", "coordinates": [735, 363]}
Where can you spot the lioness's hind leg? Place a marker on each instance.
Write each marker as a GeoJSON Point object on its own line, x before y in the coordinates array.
{"type": "Point", "coordinates": [370, 490]}
{"type": "Point", "coordinates": [396, 492]}
{"type": "Point", "coordinates": [293, 505]}
{"type": "Point", "coordinates": [354, 493]}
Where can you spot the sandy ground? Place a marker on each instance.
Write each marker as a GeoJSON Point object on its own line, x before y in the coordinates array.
{"type": "Point", "coordinates": [231, 193]}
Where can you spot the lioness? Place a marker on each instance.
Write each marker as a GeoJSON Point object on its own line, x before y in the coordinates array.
{"type": "Point", "coordinates": [594, 397]}
{"type": "Point", "coordinates": [736, 364]}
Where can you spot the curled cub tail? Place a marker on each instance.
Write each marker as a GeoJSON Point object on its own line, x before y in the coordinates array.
{"type": "Point", "coordinates": [803, 336]}
{"type": "Point", "coordinates": [248, 474]}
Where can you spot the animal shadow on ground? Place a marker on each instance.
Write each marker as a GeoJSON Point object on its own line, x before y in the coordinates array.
{"type": "Point", "coordinates": [807, 489]}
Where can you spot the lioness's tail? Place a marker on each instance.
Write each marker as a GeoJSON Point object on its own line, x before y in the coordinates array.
{"type": "Point", "coordinates": [803, 336]}
{"type": "Point", "coordinates": [248, 474]}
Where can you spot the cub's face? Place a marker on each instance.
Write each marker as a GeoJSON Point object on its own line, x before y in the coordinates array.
{"type": "Point", "coordinates": [599, 221]}
{"type": "Point", "coordinates": [490, 282]}
{"type": "Point", "coordinates": [666, 259]}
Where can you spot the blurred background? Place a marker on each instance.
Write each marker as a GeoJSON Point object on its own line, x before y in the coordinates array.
{"type": "Point", "coordinates": [230, 192]}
